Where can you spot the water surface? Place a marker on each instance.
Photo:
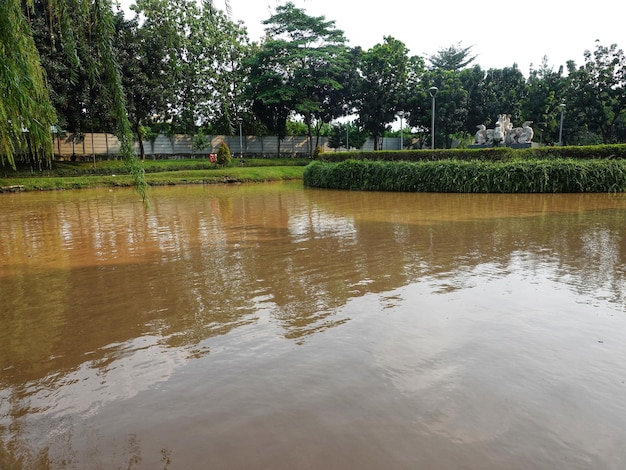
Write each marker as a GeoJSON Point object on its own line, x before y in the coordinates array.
{"type": "Point", "coordinates": [271, 326]}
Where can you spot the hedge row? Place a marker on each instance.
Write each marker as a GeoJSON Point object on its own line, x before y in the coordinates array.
{"type": "Point", "coordinates": [458, 176]}
{"type": "Point", "coordinates": [591, 152]}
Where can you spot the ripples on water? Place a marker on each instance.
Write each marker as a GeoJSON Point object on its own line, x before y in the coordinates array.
{"type": "Point", "coordinates": [270, 326]}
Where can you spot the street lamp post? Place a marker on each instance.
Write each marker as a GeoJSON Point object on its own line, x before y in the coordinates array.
{"type": "Point", "coordinates": [562, 106]}
{"type": "Point", "coordinates": [433, 91]}
{"type": "Point", "coordinates": [401, 115]}
{"type": "Point", "coordinates": [240, 119]}
{"type": "Point", "coordinates": [347, 137]}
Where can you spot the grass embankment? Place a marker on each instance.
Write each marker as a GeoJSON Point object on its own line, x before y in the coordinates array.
{"type": "Point", "coordinates": [457, 176]}
{"type": "Point", "coordinates": [112, 173]}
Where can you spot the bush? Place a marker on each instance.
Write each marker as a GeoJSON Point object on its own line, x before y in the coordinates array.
{"type": "Point", "coordinates": [477, 176]}
{"type": "Point", "coordinates": [200, 141]}
{"type": "Point", "coordinates": [590, 152]}
{"type": "Point", "coordinates": [317, 151]}
{"type": "Point", "coordinates": [223, 154]}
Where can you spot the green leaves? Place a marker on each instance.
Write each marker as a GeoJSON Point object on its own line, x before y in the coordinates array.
{"type": "Point", "coordinates": [298, 69]}
{"type": "Point", "coordinates": [457, 176]}
{"type": "Point", "coordinates": [25, 111]}
{"type": "Point", "coordinates": [193, 58]}
{"type": "Point", "coordinates": [452, 58]}
{"type": "Point", "coordinates": [597, 90]}
{"type": "Point", "coordinates": [383, 88]}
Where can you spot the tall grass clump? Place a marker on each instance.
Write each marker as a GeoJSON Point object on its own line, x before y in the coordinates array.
{"type": "Point", "coordinates": [477, 176]}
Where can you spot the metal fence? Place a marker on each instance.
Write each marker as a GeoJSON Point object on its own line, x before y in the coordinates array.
{"type": "Point", "coordinates": [108, 146]}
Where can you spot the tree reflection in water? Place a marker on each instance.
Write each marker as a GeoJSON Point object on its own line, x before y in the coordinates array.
{"type": "Point", "coordinates": [104, 302]}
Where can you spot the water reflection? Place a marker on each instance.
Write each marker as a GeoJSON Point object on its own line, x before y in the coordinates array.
{"type": "Point", "coordinates": [104, 304]}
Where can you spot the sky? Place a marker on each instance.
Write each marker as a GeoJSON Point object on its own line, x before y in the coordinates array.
{"type": "Point", "coordinates": [520, 32]}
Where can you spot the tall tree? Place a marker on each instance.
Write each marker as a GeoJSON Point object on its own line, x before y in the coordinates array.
{"type": "Point", "coordinates": [306, 55]}
{"type": "Point", "coordinates": [77, 89]}
{"type": "Point", "coordinates": [26, 113]}
{"type": "Point", "coordinates": [273, 99]}
{"type": "Point", "coordinates": [473, 82]}
{"type": "Point", "coordinates": [140, 75]}
{"type": "Point", "coordinates": [384, 71]}
{"type": "Point", "coordinates": [452, 58]}
{"type": "Point", "coordinates": [191, 57]}
{"type": "Point", "coordinates": [546, 92]}
{"type": "Point", "coordinates": [597, 94]}
{"type": "Point", "coordinates": [230, 50]}
{"type": "Point", "coordinates": [504, 92]}
{"type": "Point", "coordinates": [26, 101]}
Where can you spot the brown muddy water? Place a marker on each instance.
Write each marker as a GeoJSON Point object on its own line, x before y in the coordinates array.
{"type": "Point", "coordinates": [274, 327]}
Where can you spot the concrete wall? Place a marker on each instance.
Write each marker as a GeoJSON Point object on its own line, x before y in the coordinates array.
{"type": "Point", "coordinates": [107, 145]}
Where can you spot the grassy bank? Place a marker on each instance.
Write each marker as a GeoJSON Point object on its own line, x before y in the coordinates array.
{"type": "Point", "coordinates": [75, 175]}
{"type": "Point", "coordinates": [455, 176]}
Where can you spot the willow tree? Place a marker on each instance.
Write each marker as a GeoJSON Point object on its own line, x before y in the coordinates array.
{"type": "Point", "coordinates": [26, 114]}
{"type": "Point", "coordinates": [25, 110]}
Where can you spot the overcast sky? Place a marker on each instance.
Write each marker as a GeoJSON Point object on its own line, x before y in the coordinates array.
{"type": "Point", "coordinates": [520, 32]}
{"type": "Point", "coordinates": [503, 33]}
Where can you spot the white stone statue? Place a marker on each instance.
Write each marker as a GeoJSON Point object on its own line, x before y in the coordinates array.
{"type": "Point", "coordinates": [498, 133]}
{"type": "Point", "coordinates": [527, 133]}
{"type": "Point", "coordinates": [520, 135]}
{"type": "Point", "coordinates": [505, 122]}
{"type": "Point", "coordinates": [504, 133]}
{"type": "Point", "coordinates": [490, 136]}
{"type": "Point", "coordinates": [481, 135]}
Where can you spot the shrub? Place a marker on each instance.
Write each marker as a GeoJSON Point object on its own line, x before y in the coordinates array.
{"type": "Point", "coordinates": [223, 154]}
{"type": "Point", "coordinates": [317, 151]}
{"type": "Point", "coordinates": [590, 152]}
{"type": "Point", "coordinates": [200, 141]}
{"type": "Point", "coordinates": [477, 176]}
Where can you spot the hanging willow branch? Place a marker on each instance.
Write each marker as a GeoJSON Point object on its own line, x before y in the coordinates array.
{"type": "Point", "coordinates": [25, 110]}
{"type": "Point", "coordinates": [103, 27]}
{"type": "Point", "coordinates": [26, 114]}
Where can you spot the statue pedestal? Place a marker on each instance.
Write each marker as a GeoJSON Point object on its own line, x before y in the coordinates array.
{"type": "Point", "coordinates": [529, 145]}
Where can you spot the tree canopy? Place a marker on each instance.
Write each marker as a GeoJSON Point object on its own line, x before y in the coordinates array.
{"type": "Point", "coordinates": [27, 115]}
{"type": "Point", "coordinates": [183, 66]}
{"type": "Point", "coordinates": [26, 112]}
{"type": "Point", "coordinates": [597, 91]}
{"type": "Point", "coordinates": [298, 69]}
{"type": "Point", "coordinates": [452, 58]}
{"type": "Point", "coordinates": [383, 86]}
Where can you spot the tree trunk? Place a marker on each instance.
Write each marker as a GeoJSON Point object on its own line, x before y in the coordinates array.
{"type": "Point", "coordinates": [142, 152]}
{"type": "Point", "coordinates": [309, 134]}
{"type": "Point", "coordinates": [318, 129]}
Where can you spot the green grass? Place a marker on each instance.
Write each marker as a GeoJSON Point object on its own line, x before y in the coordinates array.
{"type": "Point", "coordinates": [471, 176]}
{"type": "Point", "coordinates": [65, 168]}
{"type": "Point", "coordinates": [74, 175]}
